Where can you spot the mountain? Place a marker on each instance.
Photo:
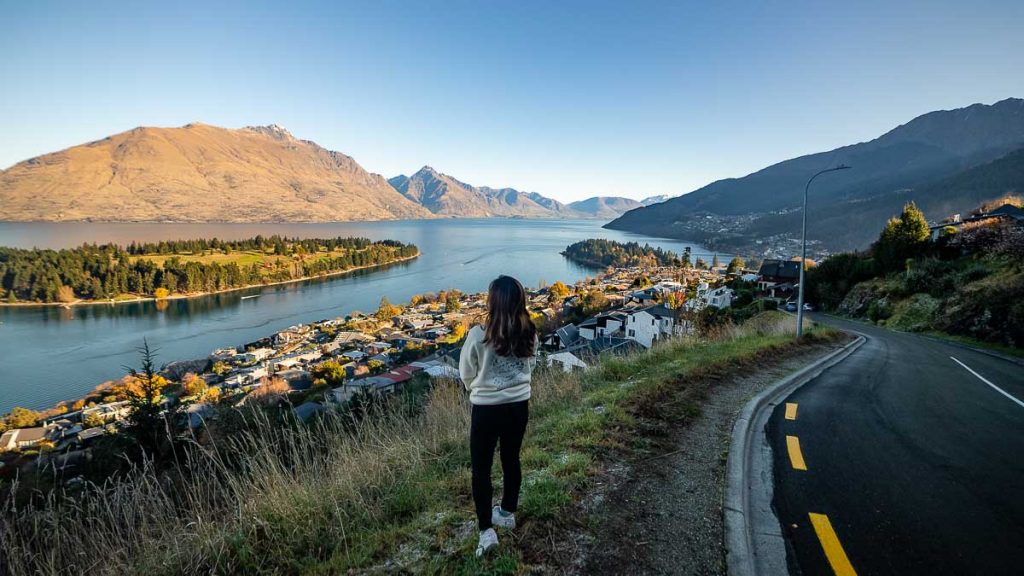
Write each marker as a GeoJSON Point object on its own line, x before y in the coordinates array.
{"type": "Point", "coordinates": [603, 206]}
{"type": "Point", "coordinates": [199, 173]}
{"type": "Point", "coordinates": [910, 162]}
{"type": "Point", "coordinates": [655, 199]}
{"type": "Point", "coordinates": [443, 195]}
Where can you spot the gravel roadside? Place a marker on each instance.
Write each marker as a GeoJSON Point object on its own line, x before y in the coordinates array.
{"type": "Point", "coordinates": [662, 513]}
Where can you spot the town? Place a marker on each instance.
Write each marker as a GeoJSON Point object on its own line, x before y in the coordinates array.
{"type": "Point", "coordinates": [325, 364]}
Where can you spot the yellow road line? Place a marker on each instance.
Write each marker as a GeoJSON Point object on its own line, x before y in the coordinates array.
{"type": "Point", "coordinates": [796, 457]}
{"type": "Point", "coordinates": [830, 544]}
{"type": "Point", "coordinates": [790, 410]}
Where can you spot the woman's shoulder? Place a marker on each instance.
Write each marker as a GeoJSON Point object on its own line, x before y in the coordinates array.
{"type": "Point", "coordinates": [475, 333]}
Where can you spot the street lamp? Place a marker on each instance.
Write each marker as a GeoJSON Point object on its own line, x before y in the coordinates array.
{"type": "Point", "coordinates": [803, 252]}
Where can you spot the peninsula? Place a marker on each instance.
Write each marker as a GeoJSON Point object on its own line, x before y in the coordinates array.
{"type": "Point", "coordinates": [110, 273]}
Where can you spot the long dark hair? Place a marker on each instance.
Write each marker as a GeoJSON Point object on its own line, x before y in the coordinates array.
{"type": "Point", "coordinates": [509, 329]}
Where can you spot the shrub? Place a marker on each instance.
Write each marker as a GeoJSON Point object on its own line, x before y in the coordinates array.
{"type": "Point", "coordinates": [915, 314]}
{"type": "Point", "coordinates": [879, 310]}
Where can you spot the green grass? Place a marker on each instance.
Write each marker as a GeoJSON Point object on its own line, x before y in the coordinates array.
{"type": "Point", "coordinates": [392, 495]}
{"type": "Point", "coordinates": [240, 257]}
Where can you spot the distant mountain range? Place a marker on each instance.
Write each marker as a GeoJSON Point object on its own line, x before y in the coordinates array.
{"type": "Point", "coordinates": [945, 161]}
{"type": "Point", "coordinates": [202, 173]}
{"type": "Point", "coordinates": [444, 195]}
{"type": "Point", "coordinates": [199, 173]}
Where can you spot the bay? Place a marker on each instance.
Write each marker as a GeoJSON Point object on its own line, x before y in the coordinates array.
{"type": "Point", "coordinates": [51, 354]}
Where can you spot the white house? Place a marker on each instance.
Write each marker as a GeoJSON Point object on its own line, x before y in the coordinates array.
{"type": "Point", "coordinates": [356, 355]}
{"type": "Point", "coordinates": [605, 324]}
{"type": "Point", "coordinates": [646, 325]}
{"type": "Point", "coordinates": [567, 360]}
{"type": "Point", "coordinates": [720, 297]}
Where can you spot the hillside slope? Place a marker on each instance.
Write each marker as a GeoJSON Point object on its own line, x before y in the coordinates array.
{"type": "Point", "coordinates": [199, 173]}
{"type": "Point", "coordinates": [929, 148]}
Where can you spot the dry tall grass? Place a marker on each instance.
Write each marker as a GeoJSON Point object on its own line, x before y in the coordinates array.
{"type": "Point", "coordinates": [271, 498]}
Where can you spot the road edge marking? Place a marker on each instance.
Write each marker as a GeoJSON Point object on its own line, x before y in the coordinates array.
{"type": "Point", "coordinates": [791, 410]}
{"type": "Point", "coordinates": [830, 544]}
{"type": "Point", "coordinates": [796, 456]}
{"type": "Point", "coordinates": [994, 387]}
{"type": "Point", "coordinates": [754, 543]}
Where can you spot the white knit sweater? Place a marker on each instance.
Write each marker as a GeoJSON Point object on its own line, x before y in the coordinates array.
{"type": "Point", "coordinates": [490, 378]}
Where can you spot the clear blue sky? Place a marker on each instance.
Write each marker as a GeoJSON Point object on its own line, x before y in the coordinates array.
{"type": "Point", "coordinates": [564, 98]}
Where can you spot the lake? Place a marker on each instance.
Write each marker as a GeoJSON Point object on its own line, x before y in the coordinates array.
{"type": "Point", "coordinates": [52, 354]}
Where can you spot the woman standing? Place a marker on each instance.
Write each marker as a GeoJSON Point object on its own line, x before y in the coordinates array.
{"type": "Point", "coordinates": [496, 366]}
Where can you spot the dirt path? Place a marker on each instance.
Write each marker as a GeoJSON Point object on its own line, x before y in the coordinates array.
{"type": "Point", "coordinates": [662, 513]}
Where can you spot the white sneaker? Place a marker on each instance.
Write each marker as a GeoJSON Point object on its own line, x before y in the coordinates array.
{"type": "Point", "coordinates": [499, 519]}
{"type": "Point", "coordinates": [488, 540]}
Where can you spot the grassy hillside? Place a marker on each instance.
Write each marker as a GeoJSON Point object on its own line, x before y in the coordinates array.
{"type": "Point", "coordinates": [388, 493]}
{"type": "Point", "coordinates": [967, 284]}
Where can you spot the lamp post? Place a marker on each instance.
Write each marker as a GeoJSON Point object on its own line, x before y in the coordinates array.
{"type": "Point", "coordinates": [803, 252]}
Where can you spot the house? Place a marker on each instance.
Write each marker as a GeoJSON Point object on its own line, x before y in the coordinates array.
{"type": "Point", "coordinates": [297, 379]}
{"type": "Point", "coordinates": [223, 354]}
{"type": "Point", "coordinates": [355, 355]}
{"type": "Point", "coordinates": [566, 360]}
{"type": "Point", "coordinates": [1005, 213]}
{"type": "Point", "coordinates": [414, 322]}
{"type": "Point", "coordinates": [255, 355]}
{"type": "Point", "coordinates": [646, 325]}
{"type": "Point", "coordinates": [773, 272]}
{"type": "Point", "coordinates": [108, 412]}
{"type": "Point", "coordinates": [349, 339]}
{"type": "Point", "coordinates": [290, 335]}
{"type": "Point", "coordinates": [604, 324]}
{"type": "Point", "coordinates": [23, 438]}
{"type": "Point", "coordinates": [88, 435]}
{"type": "Point", "coordinates": [646, 296]}
{"type": "Point", "coordinates": [563, 337]}
{"type": "Point", "coordinates": [307, 410]}
{"type": "Point", "coordinates": [435, 333]}
{"type": "Point", "coordinates": [442, 371]}
{"type": "Point", "coordinates": [720, 297]}
{"type": "Point", "coordinates": [198, 413]}
{"type": "Point", "coordinates": [374, 384]}
{"type": "Point", "coordinates": [378, 347]}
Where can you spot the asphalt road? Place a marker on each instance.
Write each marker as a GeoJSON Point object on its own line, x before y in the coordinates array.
{"type": "Point", "coordinates": [914, 465]}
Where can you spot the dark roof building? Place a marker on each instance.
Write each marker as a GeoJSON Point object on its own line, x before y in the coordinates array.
{"type": "Point", "coordinates": [779, 270]}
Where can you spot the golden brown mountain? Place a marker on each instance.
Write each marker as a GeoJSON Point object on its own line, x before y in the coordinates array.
{"type": "Point", "coordinates": [199, 173]}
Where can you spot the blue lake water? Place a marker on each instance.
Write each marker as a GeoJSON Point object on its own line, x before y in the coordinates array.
{"type": "Point", "coordinates": [49, 354]}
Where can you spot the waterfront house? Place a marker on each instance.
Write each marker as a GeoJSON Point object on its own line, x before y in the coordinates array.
{"type": "Point", "coordinates": [21, 438]}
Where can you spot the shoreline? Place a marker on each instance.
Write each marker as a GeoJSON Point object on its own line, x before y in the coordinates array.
{"type": "Point", "coordinates": [139, 299]}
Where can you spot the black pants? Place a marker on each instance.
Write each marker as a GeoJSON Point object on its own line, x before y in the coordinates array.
{"type": "Point", "coordinates": [505, 422]}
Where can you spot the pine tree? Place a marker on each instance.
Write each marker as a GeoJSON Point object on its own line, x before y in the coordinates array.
{"type": "Point", "coordinates": [901, 238]}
